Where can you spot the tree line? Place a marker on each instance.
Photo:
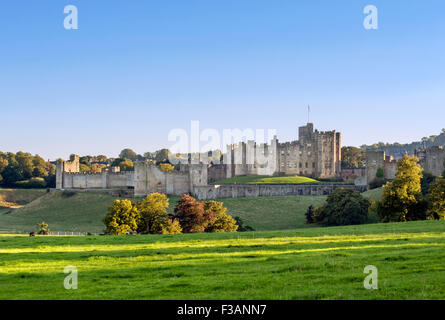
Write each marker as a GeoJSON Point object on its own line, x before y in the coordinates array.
{"type": "Point", "coordinates": [150, 216]}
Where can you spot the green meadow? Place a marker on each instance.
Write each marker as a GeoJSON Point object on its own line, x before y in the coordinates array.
{"type": "Point", "coordinates": [307, 263]}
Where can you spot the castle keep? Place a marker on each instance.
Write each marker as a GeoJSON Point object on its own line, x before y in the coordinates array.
{"type": "Point", "coordinates": [315, 154]}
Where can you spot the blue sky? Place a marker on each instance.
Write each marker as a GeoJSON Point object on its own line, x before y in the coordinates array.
{"type": "Point", "coordinates": [134, 70]}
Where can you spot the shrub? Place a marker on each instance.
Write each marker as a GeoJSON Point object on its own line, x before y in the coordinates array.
{"type": "Point", "coordinates": [192, 216]}
{"type": "Point", "coordinates": [380, 173]}
{"type": "Point", "coordinates": [241, 226]}
{"type": "Point", "coordinates": [437, 200]}
{"type": "Point", "coordinates": [166, 167]}
{"type": "Point", "coordinates": [33, 183]}
{"type": "Point", "coordinates": [171, 226]}
{"type": "Point", "coordinates": [377, 183]}
{"type": "Point", "coordinates": [122, 217]}
{"type": "Point", "coordinates": [343, 207]}
{"type": "Point", "coordinates": [310, 214]}
{"type": "Point", "coordinates": [43, 228]}
{"type": "Point", "coordinates": [222, 222]}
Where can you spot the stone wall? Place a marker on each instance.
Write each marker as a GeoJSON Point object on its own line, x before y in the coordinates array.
{"type": "Point", "coordinates": [352, 173]}
{"type": "Point", "coordinates": [265, 190]}
{"type": "Point", "coordinates": [148, 179]}
{"type": "Point", "coordinates": [432, 160]}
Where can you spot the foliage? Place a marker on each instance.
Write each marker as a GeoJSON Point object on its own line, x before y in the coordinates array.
{"type": "Point", "coordinates": [380, 173]}
{"type": "Point", "coordinates": [192, 216]}
{"type": "Point", "coordinates": [33, 183]}
{"type": "Point", "coordinates": [128, 154]}
{"type": "Point", "coordinates": [343, 207]}
{"type": "Point", "coordinates": [122, 217]}
{"type": "Point", "coordinates": [377, 183]}
{"type": "Point", "coordinates": [241, 226]}
{"type": "Point", "coordinates": [23, 167]}
{"type": "Point", "coordinates": [426, 181]}
{"type": "Point", "coordinates": [402, 198]}
{"type": "Point", "coordinates": [154, 215]}
{"type": "Point", "coordinates": [310, 214]}
{"type": "Point", "coordinates": [43, 228]}
{"type": "Point", "coordinates": [437, 199]}
{"type": "Point", "coordinates": [352, 157]}
{"type": "Point", "coordinates": [166, 167]}
{"type": "Point", "coordinates": [222, 222]}
{"type": "Point", "coordinates": [124, 164]}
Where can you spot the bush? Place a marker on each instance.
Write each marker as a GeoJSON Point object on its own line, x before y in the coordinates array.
{"type": "Point", "coordinates": [241, 226]}
{"type": "Point", "coordinates": [43, 228]}
{"type": "Point", "coordinates": [437, 200]}
{"type": "Point", "coordinates": [426, 182]}
{"type": "Point", "coordinates": [343, 207]}
{"type": "Point", "coordinates": [33, 183]}
{"type": "Point", "coordinates": [192, 216]}
{"type": "Point", "coordinates": [122, 217]}
{"type": "Point", "coordinates": [222, 222]}
{"type": "Point", "coordinates": [310, 214]}
{"type": "Point", "coordinates": [380, 173]}
{"type": "Point", "coordinates": [171, 226]}
{"type": "Point", "coordinates": [166, 167]}
{"type": "Point", "coordinates": [377, 183]}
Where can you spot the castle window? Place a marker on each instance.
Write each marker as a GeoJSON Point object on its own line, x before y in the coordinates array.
{"type": "Point", "coordinates": [301, 165]}
{"type": "Point", "coordinates": [306, 165]}
{"type": "Point", "coordinates": [313, 165]}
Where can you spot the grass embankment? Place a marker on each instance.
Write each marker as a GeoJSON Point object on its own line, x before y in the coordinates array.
{"type": "Point", "coordinates": [267, 180]}
{"type": "Point", "coordinates": [314, 263]}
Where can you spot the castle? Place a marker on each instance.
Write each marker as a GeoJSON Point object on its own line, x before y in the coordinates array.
{"type": "Point", "coordinates": [315, 154]}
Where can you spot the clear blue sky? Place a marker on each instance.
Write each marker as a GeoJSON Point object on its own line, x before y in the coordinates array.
{"type": "Point", "coordinates": [134, 70]}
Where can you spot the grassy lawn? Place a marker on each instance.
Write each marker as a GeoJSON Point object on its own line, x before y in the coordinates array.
{"type": "Point", "coordinates": [311, 263]}
{"type": "Point", "coordinates": [266, 180]}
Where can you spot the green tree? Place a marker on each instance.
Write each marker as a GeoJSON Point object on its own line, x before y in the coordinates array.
{"type": "Point", "coordinates": [426, 181]}
{"type": "Point", "coordinates": [352, 157]}
{"type": "Point", "coordinates": [222, 222]}
{"type": "Point", "coordinates": [43, 228]}
{"type": "Point", "coordinates": [154, 215]}
{"type": "Point", "coordinates": [310, 214]}
{"type": "Point", "coordinates": [402, 198]}
{"type": "Point", "coordinates": [437, 199]}
{"type": "Point", "coordinates": [380, 173]}
{"type": "Point", "coordinates": [124, 164]}
{"type": "Point", "coordinates": [343, 207]}
{"type": "Point", "coordinates": [129, 154]}
{"type": "Point", "coordinates": [122, 217]}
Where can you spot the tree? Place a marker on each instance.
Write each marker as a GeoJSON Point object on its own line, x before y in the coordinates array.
{"type": "Point", "coordinates": [162, 156]}
{"type": "Point", "coordinates": [191, 215]}
{"type": "Point", "coordinates": [129, 154]}
{"type": "Point", "coordinates": [241, 226]}
{"type": "Point", "coordinates": [352, 157]}
{"type": "Point", "coordinates": [426, 181]}
{"type": "Point", "coordinates": [310, 214]}
{"type": "Point", "coordinates": [222, 222]}
{"type": "Point", "coordinates": [166, 167]}
{"type": "Point", "coordinates": [124, 164]}
{"type": "Point", "coordinates": [437, 199]}
{"type": "Point", "coordinates": [154, 215]}
{"type": "Point", "coordinates": [380, 173]}
{"type": "Point", "coordinates": [122, 217]}
{"type": "Point", "coordinates": [402, 198]}
{"type": "Point", "coordinates": [343, 207]}
{"type": "Point", "coordinates": [43, 228]}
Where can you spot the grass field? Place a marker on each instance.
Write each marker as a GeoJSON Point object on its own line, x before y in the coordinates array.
{"type": "Point", "coordinates": [267, 180]}
{"type": "Point", "coordinates": [311, 263]}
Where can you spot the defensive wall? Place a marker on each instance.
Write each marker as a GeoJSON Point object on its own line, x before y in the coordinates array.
{"type": "Point", "coordinates": [266, 190]}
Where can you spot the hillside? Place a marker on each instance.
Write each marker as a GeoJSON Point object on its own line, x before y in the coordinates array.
{"type": "Point", "coordinates": [83, 212]}
{"type": "Point", "coordinates": [313, 263]}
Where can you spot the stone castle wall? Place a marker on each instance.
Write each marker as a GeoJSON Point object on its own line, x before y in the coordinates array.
{"type": "Point", "coordinates": [266, 190]}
